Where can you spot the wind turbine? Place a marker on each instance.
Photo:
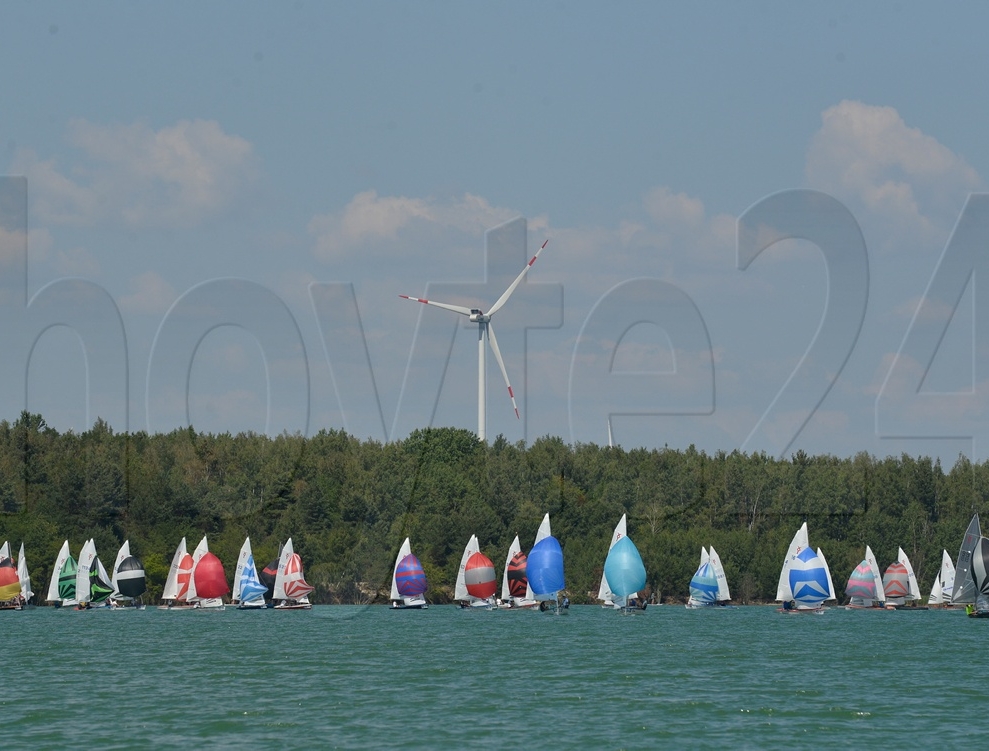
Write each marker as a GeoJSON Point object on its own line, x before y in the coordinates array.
{"type": "Point", "coordinates": [486, 332]}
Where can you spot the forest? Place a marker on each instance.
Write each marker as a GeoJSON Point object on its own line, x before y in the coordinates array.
{"type": "Point", "coordinates": [348, 504]}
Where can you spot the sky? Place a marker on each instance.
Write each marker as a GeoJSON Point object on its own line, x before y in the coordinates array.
{"type": "Point", "coordinates": [764, 220]}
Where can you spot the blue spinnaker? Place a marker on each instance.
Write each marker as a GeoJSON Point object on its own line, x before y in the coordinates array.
{"type": "Point", "coordinates": [808, 579]}
{"type": "Point", "coordinates": [545, 567]}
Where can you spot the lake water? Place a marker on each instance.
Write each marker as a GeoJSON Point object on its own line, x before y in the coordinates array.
{"type": "Point", "coordinates": [353, 677]}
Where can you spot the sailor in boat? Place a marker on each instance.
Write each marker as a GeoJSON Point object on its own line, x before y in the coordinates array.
{"type": "Point", "coordinates": [566, 603]}
{"type": "Point", "coordinates": [789, 605]}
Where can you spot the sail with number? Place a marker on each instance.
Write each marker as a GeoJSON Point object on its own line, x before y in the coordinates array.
{"type": "Point", "coordinates": [291, 588]}
{"type": "Point", "coordinates": [963, 590]}
{"type": "Point", "coordinates": [605, 592]}
{"type": "Point", "coordinates": [248, 591]}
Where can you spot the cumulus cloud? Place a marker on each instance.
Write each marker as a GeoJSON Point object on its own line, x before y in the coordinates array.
{"type": "Point", "coordinates": [178, 175]}
{"type": "Point", "coordinates": [370, 218]}
{"type": "Point", "coordinates": [867, 155]}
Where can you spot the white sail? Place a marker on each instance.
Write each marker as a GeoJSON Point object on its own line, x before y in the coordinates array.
{"type": "Point", "coordinates": [23, 576]}
{"type": "Point", "coordinates": [403, 551]}
{"type": "Point", "coordinates": [460, 593]}
{"type": "Point", "coordinates": [201, 549]}
{"type": "Point", "coordinates": [514, 549]}
{"type": "Point", "coordinates": [124, 552]}
{"type": "Point", "coordinates": [5, 550]}
{"type": "Point", "coordinates": [914, 588]}
{"type": "Point", "coordinates": [799, 542]}
{"type": "Point", "coordinates": [245, 553]}
{"type": "Point", "coordinates": [947, 576]}
{"type": "Point", "coordinates": [963, 590]}
{"type": "Point", "coordinates": [827, 570]}
{"type": "Point", "coordinates": [542, 533]}
{"type": "Point", "coordinates": [171, 590]}
{"type": "Point", "coordinates": [87, 557]}
{"type": "Point", "coordinates": [937, 593]}
{"type": "Point", "coordinates": [719, 573]}
{"type": "Point", "coordinates": [876, 574]}
{"type": "Point", "coordinates": [278, 593]}
{"type": "Point", "coordinates": [60, 559]}
{"type": "Point", "coordinates": [604, 590]}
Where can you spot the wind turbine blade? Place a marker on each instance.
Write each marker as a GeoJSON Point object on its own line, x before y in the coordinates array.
{"type": "Point", "coordinates": [446, 306]}
{"type": "Point", "coordinates": [501, 364]}
{"type": "Point", "coordinates": [508, 292]}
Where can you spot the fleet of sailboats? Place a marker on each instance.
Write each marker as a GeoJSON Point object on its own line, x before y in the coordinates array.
{"type": "Point", "coordinates": [197, 580]}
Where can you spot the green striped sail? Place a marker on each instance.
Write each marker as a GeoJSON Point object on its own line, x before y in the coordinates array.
{"type": "Point", "coordinates": [67, 580]}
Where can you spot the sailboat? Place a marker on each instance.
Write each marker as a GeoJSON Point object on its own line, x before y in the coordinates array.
{"type": "Point", "coordinates": [544, 570]}
{"type": "Point", "coordinates": [605, 594]}
{"type": "Point", "coordinates": [176, 592]}
{"type": "Point", "coordinates": [944, 582]}
{"type": "Point", "coordinates": [128, 579]}
{"type": "Point", "coordinates": [208, 582]}
{"type": "Point", "coordinates": [248, 592]}
{"type": "Point", "coordinates": [900, 583]}
{"type": "Point", "coordinates": [804, 582]}
{"type": "Point", "coordinates": [626, 575]}
{"type": "Point", "coordinates": [964, 591]}
{"type": "Point", "coordinates": [62, 585]}
{"type": "Point", "coordinates": [979, 575]}
{"type": "Point", "coordinates": [92, 585]}
{"type": "Point", "coordinates": [514, 580]}
{"type": "Point", "coordinates": [291, 590]}
{"type": "Point", "coordinates": [709, 585]}
{"type": "Point", "coordinates": [865, 585]}
{"type": "Point", "coordinates": [476, 584]}
{"type": "Point", "coordinates": [408, 581]}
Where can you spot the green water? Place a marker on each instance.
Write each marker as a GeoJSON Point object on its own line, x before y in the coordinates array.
{"type": "Point", "coordinates": [350, 677]}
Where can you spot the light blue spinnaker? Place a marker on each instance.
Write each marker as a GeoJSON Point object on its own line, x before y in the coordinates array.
{"type": "Point", "coordinates": [624, 569]}
{"type": "Point", "coordinates": [704, 585]}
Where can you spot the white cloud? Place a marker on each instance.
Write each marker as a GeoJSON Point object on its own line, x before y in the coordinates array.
{"type": "Point", "coordinates": [869, 156]}
{"type": "Point", "coordinates": [176, 176]}
{"type": "Point", "coordinates": [370, 218]}
{"type": "Point", "coordinates": [151, 294]}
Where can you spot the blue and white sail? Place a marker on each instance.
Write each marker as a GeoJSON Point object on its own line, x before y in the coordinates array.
{"type": "Point", "coordinates": [248, 591]}
{"type": "Point", "coordinates": [808, 580]}
{"type": "Point", "coordinates": [703, 585]}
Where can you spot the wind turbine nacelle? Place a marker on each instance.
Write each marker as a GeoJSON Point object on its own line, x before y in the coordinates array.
{"type": "Point", "coordinates": [476, 316]}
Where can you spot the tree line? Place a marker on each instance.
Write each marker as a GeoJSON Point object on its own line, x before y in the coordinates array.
{"type": "Point", "coordinates": [348, 504]}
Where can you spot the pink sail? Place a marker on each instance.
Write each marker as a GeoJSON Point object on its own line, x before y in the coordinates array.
{"type": "Point", "coordinates": [896, 582]}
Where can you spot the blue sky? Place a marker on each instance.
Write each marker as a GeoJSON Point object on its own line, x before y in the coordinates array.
{"type": "Point", "coordinates": [241, 181]}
